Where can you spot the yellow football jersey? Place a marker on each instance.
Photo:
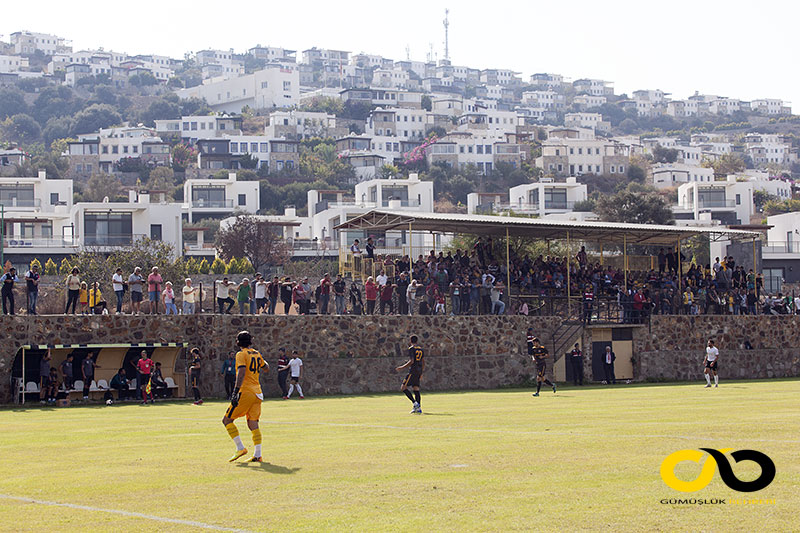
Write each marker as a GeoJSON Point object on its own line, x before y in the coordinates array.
{"type": "Point", "coordinates": [252, 362]}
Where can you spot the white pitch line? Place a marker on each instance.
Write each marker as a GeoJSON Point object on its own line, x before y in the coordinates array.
{"type": "Point", "coordinates": [505, 431]}
{"type": "Point", "coordinates": [161, 519]}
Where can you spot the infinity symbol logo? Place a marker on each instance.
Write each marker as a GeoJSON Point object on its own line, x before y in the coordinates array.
{"type": "Point", "coordinates": [714, 459]}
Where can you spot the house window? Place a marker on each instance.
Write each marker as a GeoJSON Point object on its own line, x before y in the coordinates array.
{"type": "Point", "coordinates": [479, 148]}
{"type": "Point", "coordinates": [108, 228]}
{"type": "Point", "coordinates": [105, 149]}
{"type": "Point", "coordinates": [571, 151]}
{"type": "Point", "coordinates": [738, 199]}
{"type": "Point", "coordinates": [125, 149]}
{"type": "Point", "coordinates": [558, 152]}
{"type": "Point", "coordinates": [186, 126]}
{"type": "Point", "coordinates": [242, 199]}
{"type": "Point", "coordinates": [253, 147]}
{"type": "Point", "coordinates": [155, 232]}
{"type": "Point", "coordinates": [621, 169]}
{"type": "Point", "coordinates": [265, 147]}
{"type": "Point", "coordinates": [135, 149]}
{"type": "Point", "coordinates": [263, 85]}
{"type": "Point", "coordinates": [115, 149]}
{"type": "Point", "coordinates": [287, 86]}
{"type": "Point", "coordinates": [53, 198]}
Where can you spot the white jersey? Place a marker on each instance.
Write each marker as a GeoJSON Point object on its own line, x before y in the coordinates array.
{"type": "Point", "coordinates": [712, 353]}
{"type": "Point", "coordinates": [294, 366]}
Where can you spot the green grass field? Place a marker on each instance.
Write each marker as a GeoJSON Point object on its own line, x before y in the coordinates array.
{"type": "Point", "coordinates": [583, 459]}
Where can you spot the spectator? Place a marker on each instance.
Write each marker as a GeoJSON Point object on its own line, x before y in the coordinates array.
{"type": "Point", "coordinates": [194, 375]}
{"type": "Point", "coordinates": [438, 298]}
{"type": "Point", "coordinates": [486, 294]}
{"type": "Point", "coordinates": [168, 298]}
{"type": "Point", "coordinates": [120, 384]}
{"type": "Point", "coordinates": [382, 278]}
{"type": "Point", "coordinates": [273, 290]}
{"type": "Point", "coordinates": [339, 288]}
{"type": "Point", "coordinates": [386, 297]}
{"type": "Point", "coordinates": [189, 297]}
{"type": "Point", "coordinates": [411, 296]}
{"type": "Point", "coordinates": [307, 292]}
{"type": "Point", "coordinates": [287, 290]}
{"type": "Point", "coordinates": [243, 296]}
{"type": "Point", "coordinates": [401, 287]}
{"type": "Point", "coordinates": [67, 372]}
{"type": "Point", "coordinates": [523, 309]}
{"type": "Point", "coordinates": [370, 248]}
{"type": "Point", "coordinates": [118, 284]}
{"type": "Point", "coordinates": [576, 360]}
{"type": "Point", "coordinates": [474, 297]}
{"type": "Point", "coordinates": [223, 295]}
{"type": "Point", "coordinates": [455, 296]}
{"type": "Point", "coordinates": [283, 372]}
{"type": "Point", "coordinates": [260, 293]}
{"type": "Point", "coordinates": [32, 288]}
{"type": "Point", "coordinates": [324, 294]}
{"type": "Point", "coordinates": [136, 286]}
{"type": "Point", "coordinates": [87, 372]}
{"type": "Point", "coordinates": [8, 279]}
{"type": "Point", "coordinates": [96, 303]}
{"type": "Point", "coordinates": [299, 297]}
{"type": "Point", "coordinates": [73, 290]}
{"type": "Point", "coordinates": [158, 384]}
{"type": "Point", "coordinates": [228, 372]}
{"type": "Point", "coordinates": [52, 387]}
{"type": "Point", "coordinates": [371, 293]}
{"type": "Point", "coordinates": [44, 375]}
{"type": "Point", "coordinates": [154, 289]}
{"type": "Point", "coordinates": [498, 305]}
{"type": "Point", "coordinates": [84, 298]}
{"type": "Point", "coordinates": [356, 305]}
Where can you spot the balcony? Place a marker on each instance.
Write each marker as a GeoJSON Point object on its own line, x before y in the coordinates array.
{"type": "Point", "coordinates": [781, 247]}
{"type": "Point", "coordinates": [534, 207]}
{"type": "Point", "coordinates": [212, 204]}
{"type": "Point", "coordinates": [15, 243]}
{"type": "Point", "coordinates": [111, 240]}
{"type": "Point", "coordinates": [403, 203]}
{"type": "Point", "coordinates": [11, 203]}
{"type": "Point", "coordinates": [710, 204]}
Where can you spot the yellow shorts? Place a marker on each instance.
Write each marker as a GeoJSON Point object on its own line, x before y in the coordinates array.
{"type": "Point", "coordinates": [249, 405]}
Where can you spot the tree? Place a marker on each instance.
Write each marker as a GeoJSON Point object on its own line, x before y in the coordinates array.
{"type": "Point", "coordinates": [586, 206]}
{"type": "Point", "coordinates": [725, 164]}
{"type": "Point", "coordinates": [95, 117]}
{"type": "Point", "coordinates": [426, 102]}
{"type": "Point", "coordinates": [12, 102]}
{"type": "Point", "coordinates": [56, 101]}
{"type": "Point", "coordinates": [50, 268]}
{"type": "Point", "coordinates": [777, 207]}
{"type": "Point", "coordinates": [144, 253]}
{"type": "Point", "coordinates": [628, 125]}
{"type": "Point", "coordinates": [183, 157]}
{"type": "Point", "coordinates": [21, 128]}
{"type": "Point", "coordinates": [64, 268]}
{"type": "Point", "coordinates": [56, 128]}
{"type": "Point", "coordinates": [162, 179]}
{"type": "Point", "coordinates": [248, 161]}
{"type": "Point", "coordinates": [636, 173]}
{"type": "Point", "coordinates": [102, 186]}
{"type": "Point", "coordinates": [258, 240]}
{"type": "Point", "coordinates": [664, 155]}
{"type": "Point", "coordinates": [218, 266]}
{"type": "Point", "coordinates": [160, 109]}
{"type": "Point", "coordinates": [635, 204]}
{"type": "Point", "coordinates": [143, 79]}
{"type": "Point", "coordinates": [761, 197]}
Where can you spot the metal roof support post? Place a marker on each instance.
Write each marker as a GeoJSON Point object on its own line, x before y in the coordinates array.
{"type": "Point", "coordinates": [24, 385]}
{"type": "Point", "coordinates": [625, 261]}
{"type": "Point", "coordinates": [569, 284]}
{"type": "Point", "coordinates": [508, 271]}
{"type": "Point", "coordinates": [601, 254]}
{"type": "Point", "coordinates": [755, 266]}
{"type": "Point", "coordinates": [410, 249]}
{"type": "Point", "coordinates": [680, 267]}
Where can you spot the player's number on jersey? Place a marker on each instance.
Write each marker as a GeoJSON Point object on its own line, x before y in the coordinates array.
{"type": "Point", "coordinates": [255, 364]}
{"type": "Point", "coordinates": [417, 355]}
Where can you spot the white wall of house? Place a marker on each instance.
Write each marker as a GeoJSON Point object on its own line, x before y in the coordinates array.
{"type": "Point", "coordinates": [275, 86]}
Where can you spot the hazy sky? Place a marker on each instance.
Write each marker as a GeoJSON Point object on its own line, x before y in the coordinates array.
{"type": "Point", "coordinates": [738, 49]}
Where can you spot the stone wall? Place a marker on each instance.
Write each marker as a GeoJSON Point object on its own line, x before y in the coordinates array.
{"type": "Point", "coordinates": [674, 346]}
{"type": "Point", "coordinates": [342, 354]}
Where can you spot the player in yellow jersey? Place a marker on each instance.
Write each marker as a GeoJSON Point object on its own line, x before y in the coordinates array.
{"type": "Point", "coordinates": [247, 396]}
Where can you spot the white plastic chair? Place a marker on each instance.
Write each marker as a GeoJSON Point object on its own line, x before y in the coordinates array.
{"type": "Point", "coordinates": [170, 382]}
{"type": "Point", "coordinates": [78, 385]}
{"type": "Point", "coordinates": [133, 384]}
{"type": "Point", "coordinates": [31, 387]}
{"type": "Point", "coordinates": [93, 386]}
{"type": "Point", "coordinates": [102, 384]}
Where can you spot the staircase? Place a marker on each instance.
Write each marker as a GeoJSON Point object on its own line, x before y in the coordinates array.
{"type": "Point", "coordinates": [564, 337]}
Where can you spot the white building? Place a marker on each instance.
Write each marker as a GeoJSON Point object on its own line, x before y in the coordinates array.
{"type": "Point", "coordinates": [192, 128]}
{"type": "Point", "coordinates": [104, 150]}
{"type": "Point", "coordinates": [27, 42]}
{"type": "Point", "coordinates": [273, 54]}
{"type": "Point", "coordinates": [276, 86]}
{"type": "Point", "coordinates": [593, 121]}
{"type": "Point", "coordinates": [544, 99]}
{"type": "Point", "coordinates": [575, 157]}
{"type": "Point", "coordinates": [666, 175]}
{"type": "Point", "coordinates": [216, 198]}
{"type": "Point", "coordinates": [771, 106]}
{"type": "Point", "coordinates": [587, 101]}
{"type": "Point", "coordinates": [545, 197]}
{"type": "Point", "coordinates": [9, 64]}
{"type": "Point", "coordinates": [729, 201]}
{"type": "Point", "coordinates": [593, 87]}
{"type": "Point", "coordinates": [219, 64]}
{"type": "Point", "coordinates": [294, 124]}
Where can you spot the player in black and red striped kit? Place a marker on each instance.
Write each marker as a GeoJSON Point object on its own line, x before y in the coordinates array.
{"type": "Point", "coordinates": [539, 355]}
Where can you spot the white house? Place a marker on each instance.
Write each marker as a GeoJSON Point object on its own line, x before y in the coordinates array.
{"type": "Point", "coordinates": [28, 42]}
{"type": "Point", "coordinates": [544, 99]}
{"type": "Point", "coordinates": [216, 198]}
{"type": "Point", "coordinates": [666, 175]}
{"type": "Point", "coordinates": [273, 87]}
{"type": "Point", "coordinates": [9, 64]}
{"type": "Point", "coordinates": [545, 197]}
{"type": "Point", "coordinates": [191, 128]}
{"type": "Point", "coordinates": [587, 120]}
{"type": "Point", "coordinates": [729, 201]}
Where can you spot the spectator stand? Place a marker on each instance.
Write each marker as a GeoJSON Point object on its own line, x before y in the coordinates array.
{"type": "Point", "coordinates": [595, 234]}
{"type": "Point", "coordinates": [109, 358]}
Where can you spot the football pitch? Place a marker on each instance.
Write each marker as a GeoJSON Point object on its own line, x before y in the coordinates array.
{"type": "Point", "coordinates": [584, 459]}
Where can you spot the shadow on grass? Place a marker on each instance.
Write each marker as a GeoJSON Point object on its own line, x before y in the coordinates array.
{"type": "Point", "coordinates": [428, 413]}
{"type": "Point", "coordinates": [268, 468]}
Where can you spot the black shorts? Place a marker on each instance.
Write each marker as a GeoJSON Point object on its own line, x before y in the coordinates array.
{"type": "Point", "coordinates": [541, 368]}
{"type": "Point", "coordinates": [294, 379]}
{"type": "Point", "coordinates": [412, 379]}
{"type": "Point", "coordinates": [195, 380]}
{"type": "Point", "coordinates": [712, 365]}
{"type": "Point", "coordinates": [136, 296]}
{"type": "Point", "coordinates": [44, 381]}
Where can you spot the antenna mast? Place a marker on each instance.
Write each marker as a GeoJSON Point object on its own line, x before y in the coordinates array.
{"type": "Point", "coordinates": [446, 36]}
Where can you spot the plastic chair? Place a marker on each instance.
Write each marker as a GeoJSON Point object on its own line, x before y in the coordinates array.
{"type": "Point", "coordinates": [93, 386]}
{"type": "Point", "coordinates": [78, 385]}
{"type": "Point", "coordinates": [31, 387]}
{"type": "Point", "coordinates": [102, 384]}
{"type": "Point", "coordinates": [170, 382]}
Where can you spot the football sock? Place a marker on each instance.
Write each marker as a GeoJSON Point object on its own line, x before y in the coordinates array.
{"type": "Point", "coordinates": [708, 379]}
{"type": "Point", "coordinates": [538, 386]}
{"type": "Point", "coordinates": [547, 382]}
{"type": "Point", "coordinates": [257, 452]}
{"type": "Point", "coordinates": [257, 442]}
{"type": "Point", "coordinates": [716, 379]}
{"type": "Point", "coordinates": [234, 433]}
{"type": "Point", "coordinates": [410, 396]}
{"type": "Point", "coordinates": [417, 397]}
{"type": "Point", "coordinates": [299, 389]}
{"type": "Point", "coordinates": [291, 390]}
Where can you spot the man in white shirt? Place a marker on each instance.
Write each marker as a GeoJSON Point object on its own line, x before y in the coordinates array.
{"type": "Point", "coordinates": [295, 368]}
{"type": "Point", "coordinates": [189, 297]}
{"type": "Point", "coordinates": [118, 284]}
{"type": "Point", "coordinates": [382, 279]}
{"type": "Point", "coordinates": [261, 293]}
{"type": "Point", "coordinates": [223, 295]}
{"type": "Point", "coordinates": [710, 363]}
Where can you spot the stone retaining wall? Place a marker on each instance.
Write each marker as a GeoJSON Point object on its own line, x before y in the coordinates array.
{"type": "Point", "coordinates": [342, 354]}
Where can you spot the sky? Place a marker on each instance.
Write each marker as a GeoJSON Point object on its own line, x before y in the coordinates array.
{"type": "Point", "coordinates": [733, 48]}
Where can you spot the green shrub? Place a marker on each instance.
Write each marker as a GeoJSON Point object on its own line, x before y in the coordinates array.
{"type": "Point", "coordinates": [219, 266]}
{"type": "Point", "coordinates": [50, 268]}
